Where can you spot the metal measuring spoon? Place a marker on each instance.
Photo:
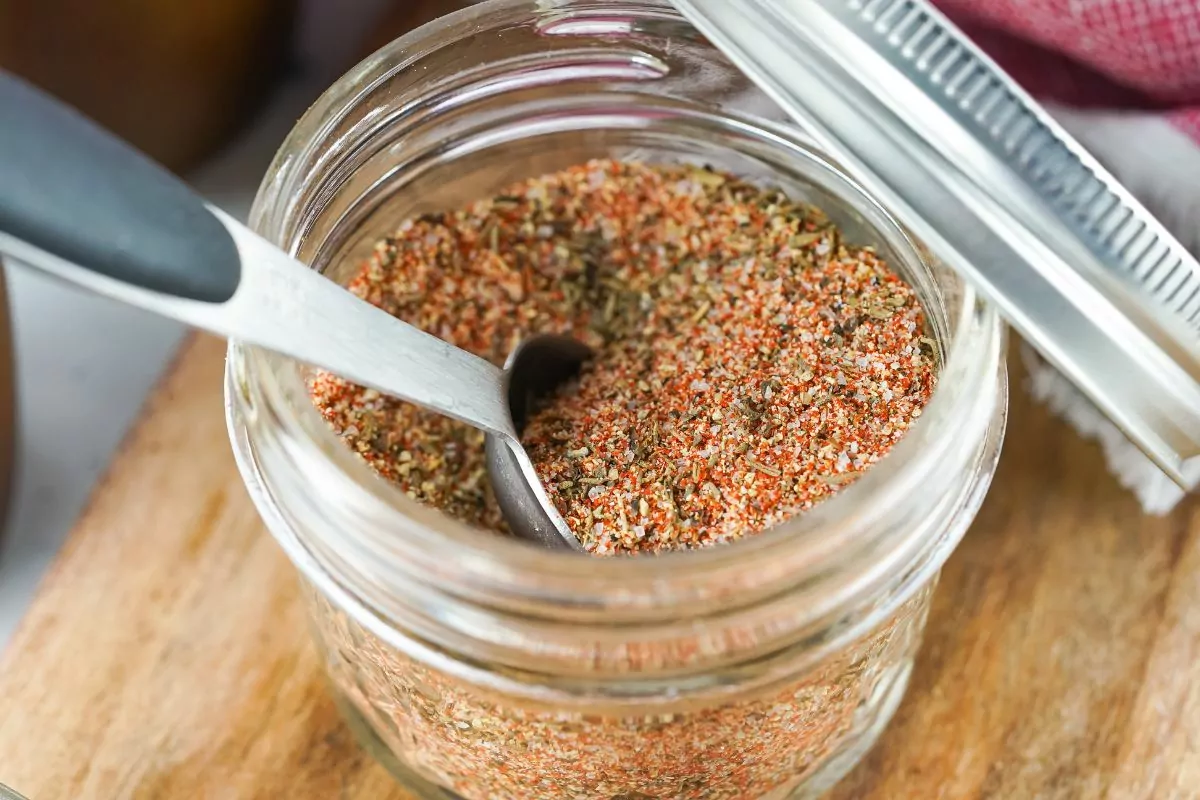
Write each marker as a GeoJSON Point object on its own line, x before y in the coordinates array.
{"type": "Point", "coordinates": [81, 205]}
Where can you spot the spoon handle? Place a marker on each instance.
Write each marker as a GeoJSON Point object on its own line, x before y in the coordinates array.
{"type": "Point", "coordinates": [76, 192]}
{"type": "Point", "coordinates": [82, 205]}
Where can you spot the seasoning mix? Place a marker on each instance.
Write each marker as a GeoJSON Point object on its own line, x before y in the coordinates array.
{"type": "Point", "coordinates": [484, 747]}
{"type": "Point", "coordinates": [749, 363]}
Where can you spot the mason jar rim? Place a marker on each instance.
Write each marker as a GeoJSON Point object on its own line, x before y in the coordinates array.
{"type": "Point", "coordinates": [839, 529]}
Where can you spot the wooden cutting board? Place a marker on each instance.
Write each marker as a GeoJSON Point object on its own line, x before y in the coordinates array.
{"type": "Point", "coordinates": [166, 654]}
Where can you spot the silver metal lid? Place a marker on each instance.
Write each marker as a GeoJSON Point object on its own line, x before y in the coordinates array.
{"type": "Point", "coordinates": [979, 172]}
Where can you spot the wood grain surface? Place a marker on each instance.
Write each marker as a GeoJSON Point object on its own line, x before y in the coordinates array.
{"type": "Point", "coordinates": [166, 655]}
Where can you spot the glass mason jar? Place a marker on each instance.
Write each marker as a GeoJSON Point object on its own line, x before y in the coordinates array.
{"type": "Point", "coordinates": [479, 667]}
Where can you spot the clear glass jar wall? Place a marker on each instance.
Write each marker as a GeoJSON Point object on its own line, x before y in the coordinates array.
{"type": "Point", "coordinates": [480, 668]}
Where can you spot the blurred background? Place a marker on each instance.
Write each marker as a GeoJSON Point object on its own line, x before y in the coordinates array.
{"type": "Point", "coordinates": [209, 89]}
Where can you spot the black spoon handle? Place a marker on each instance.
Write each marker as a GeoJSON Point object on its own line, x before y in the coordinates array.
{"type": "Point", "coordinates": [71, 189]}
{"type": "Point", "coordinates": [86, 208]}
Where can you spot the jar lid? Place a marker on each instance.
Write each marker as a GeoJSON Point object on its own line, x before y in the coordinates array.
{"type": "Point", "coordinates": [966, 160]}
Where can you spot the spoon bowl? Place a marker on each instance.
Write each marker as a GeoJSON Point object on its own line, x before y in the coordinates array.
{"type": "Point", "coordinates": [534, 370]}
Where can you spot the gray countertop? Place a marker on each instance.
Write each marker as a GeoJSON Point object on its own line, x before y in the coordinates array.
{"type": "Point", "coordinates": [84, 368]}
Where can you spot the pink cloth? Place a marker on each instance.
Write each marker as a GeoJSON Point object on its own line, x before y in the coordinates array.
{"type": "Point", "coordinates": [1115, 54]}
